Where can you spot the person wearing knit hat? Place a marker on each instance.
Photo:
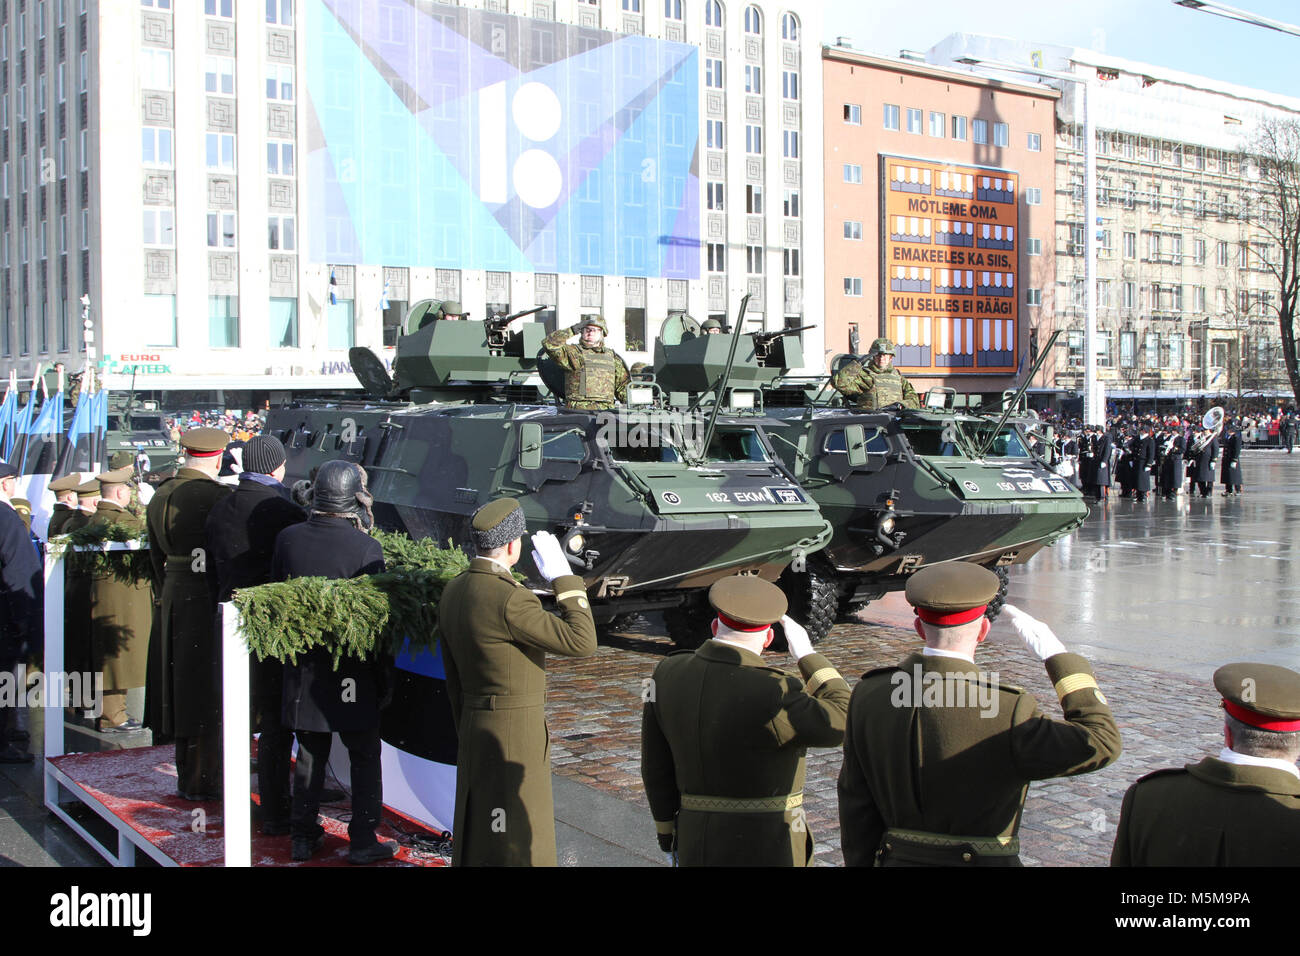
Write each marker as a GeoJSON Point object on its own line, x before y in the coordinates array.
{"type": "Point", "coordinates": [182, 701]}
{"type": "Point", "coordinates": [938, 754]}
{"type": "Point", "coordinates": [1241, 808]}
{"type": "Point", "coordinates": [495, 637]}
{"type": "Point", "coordinates": [241, 533]}
{"type": "Point", "coordinates": [724, 735]}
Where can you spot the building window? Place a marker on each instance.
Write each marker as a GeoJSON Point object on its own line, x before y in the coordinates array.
{"type": "Point", "coordinates": [713, 193]}
{"type": "Point", "coordinates": [1128, 293]}
{"type": "Point", "coordinates": [717, 257]}
{"type": "Point", "coordinates": [1130, 245]}
{"type": "Point", "coordinates": [792, 262]}
{"type": "Point", "coordinates": [1221, 255]}
{"type": "Point", "coordinates": [158, 321]}
{"type": "Point", "coordinates": [753, 21]}
{"type": "Point", "coordinates": [938, 125]}
{"type": "Point", "coordinates": [1173, 352]}
{"type": "Point", "coordinates": [1198, 298]}
{"type": "Point", "coordinates": [852, 229]}
{"type": "Point", "coordinates": [632, 6]}
{"type": "Point", "coordinates": [1128, 350]}
{"type": "Point", "coordinates": [1033, 297]}
{"type": "Point", "coordinates": [713, 74]}
{"type": "Point", "coordinates": [340, 324]}
{"type": "Point", "coordinates": [155, 69]}
{"type": "Point", "coordinates": [280, 234]}
{"type": "Point", "coordinates": [221, 151]}
{"type": "Point", "coordinates": [160, 4]}
{"type": "Point", "coordinates": [853, 287]}
{"type": "Point", "coordinates": [219, 75]}
{"type": "Point", "coordinates": [754, 200]}
{"type": "Point", "coordinates": [281, 12]}
{"type": "Point", "coordinates": [853, 114]}
{"type": "Point", "coordinates": [791, 208]}
{"type": "Point", "coordinates": [279, 82]}
{"type": "Point", "coordinates": [789, 27]}
{"type": "Point", "coordinates": [1034, 142]}
{"type": "Point", "coordinates": [790, 85]}
{"type": "Point", "coordinates": [279, 158]}
{"type": "Point", "coordinates": [1074, 347]}
{"type": "Point", "coordinates": [915, 121]}
{"type": "Point", "coordinates": [1001, 134]}
{"type": "Point", "coordinates": [754, 140]}
{"type": "Point", "coordinates": [713, 13]}
{"type": "Point", "coordinates": [1034, 247]}
{"type": "Point", "coordinates": [221, 230]}
{"type": "Point", "coordinates": [852, 173]}
{"type": "Point", "coordinates": [1101, 345]}
{"type": "Point", "coordinates": [155, 146]}
{"type": "Point", "coordinates": [754, 260]}
{"type": "Point", "coordinates": [159, 227]}
{"type": "Point", "coordinates": [980, 132]}
{"type": "Point", "coordinates": [284, 323]}
{"type": "Point", "coordinates": [790, 143]}
{"type": "Point", "coordinates": [1033, 196]}
{"type": "Point", "coordinates": [753, 79]}
{"type": "Point", "coordinates": [1153, 350]}
{"type": "Point", "coordinates": [891, 116]}
{"type": "Point", "coordinates": [713, 134]}
{"type": "Point", "coordinates": [959, 128]}
{"type": "Point", "coordinates": [223, 321]}
{"type": "Point", "coordinates": [219, 8]}
{"type": "Point", "coordinates": [1129, 194]}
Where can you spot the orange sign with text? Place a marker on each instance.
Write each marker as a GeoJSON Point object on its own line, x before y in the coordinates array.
{"type": "Point", "coordinates": [949, 278]}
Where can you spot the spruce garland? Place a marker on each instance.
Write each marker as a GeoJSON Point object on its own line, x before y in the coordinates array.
{"type": "Point", "coordinates": [356, 617]}
{"type": "Point", "coordinates": [127, 567]}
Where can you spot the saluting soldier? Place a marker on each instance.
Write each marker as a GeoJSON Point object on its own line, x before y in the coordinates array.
{"type": "Point", "coordinates": [939, 778]}
{"type": "Point", "coordinates": [1230, 466]}
{"type": "Point", "coordinates": [877, 383]}
{"type": "Point", "coordinates": [65, 503]}
{"type": "Point", "coordinates": [1241, 808]}
{"type": "Point", "coordinates": [724, 735]}
{"type": "Point", "coordinates": [495, 637]}
{"type": "Point", "coordinates": [120, 610]}
{"type": "Point", "coordinates": [188, 675]}
{"type": "Point", "coordinates": [241, 533]}
{"type": "Point", "coordinates": [87, 501]}
{"type": "Point", "coordinates": [595, 377]}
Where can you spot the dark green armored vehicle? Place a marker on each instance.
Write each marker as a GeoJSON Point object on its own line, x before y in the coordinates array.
{"type": "Point", "coordinates": [139, 430]}
{"type": "Point", "coordinates": [649, 508]}
{"type": "Point", "coordinates": [901, 488]}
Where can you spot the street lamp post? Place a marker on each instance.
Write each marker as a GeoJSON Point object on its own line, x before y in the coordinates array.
{"type": "Point", "coordinates": [1094, 411]}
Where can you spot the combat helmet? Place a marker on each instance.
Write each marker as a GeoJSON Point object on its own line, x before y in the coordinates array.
{"type": "Point", "coordinates": [882, 346]}
{"type": "Point", "coordinates": [597, 320]}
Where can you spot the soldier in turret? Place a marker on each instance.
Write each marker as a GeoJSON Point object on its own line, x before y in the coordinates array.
{"type": "Point", "coordinates": [877, 383]}
{"type": "Point", "coordinates": [594, 376]}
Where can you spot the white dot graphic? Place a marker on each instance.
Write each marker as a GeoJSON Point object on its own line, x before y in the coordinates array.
{"type": "Point", "coordinates": [537, 111]}
{"type": "Point", "coordinates": [537, 178]}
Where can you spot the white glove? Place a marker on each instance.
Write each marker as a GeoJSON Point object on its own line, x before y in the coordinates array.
{"type": "Point", "coordinates": [1038, 637]}
{"type": "Point", "coordinates": [796, 638]}
{"type": "Point", "coordinates": [549, 556]}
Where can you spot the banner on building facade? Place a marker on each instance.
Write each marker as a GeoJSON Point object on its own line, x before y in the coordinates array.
{"type": "Point", "coordinates": [949, 269]}
{"type": "Point", "coordinates": [458, 138]}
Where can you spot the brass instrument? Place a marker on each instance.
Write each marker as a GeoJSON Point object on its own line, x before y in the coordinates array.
{"type": "Point", "coordinates": [1213, 422]}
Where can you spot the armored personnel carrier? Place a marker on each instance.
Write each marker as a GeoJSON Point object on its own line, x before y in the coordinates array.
{"type": "Point", "coordinates": [133, 427]}
{"type": "Point", "coordinates": [650, 508]}
{"type": "Point", "coordinates": [902, 488]}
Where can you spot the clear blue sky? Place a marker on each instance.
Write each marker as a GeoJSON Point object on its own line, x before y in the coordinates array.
{"type": "Point", "coordinates": [1152, 31]}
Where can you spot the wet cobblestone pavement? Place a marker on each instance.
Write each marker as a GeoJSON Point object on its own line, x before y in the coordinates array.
{"type": "Point", "coordinates": [1157, 595]}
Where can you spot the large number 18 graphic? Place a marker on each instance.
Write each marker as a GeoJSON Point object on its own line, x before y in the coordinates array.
{"type": "Point", "coordinates": [537, 115]}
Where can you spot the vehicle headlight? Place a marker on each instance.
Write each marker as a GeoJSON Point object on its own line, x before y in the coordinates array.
{"type": "Point", "coordinates": [886, 525]}
{"type": "Point", "coordinates": [576, 542]}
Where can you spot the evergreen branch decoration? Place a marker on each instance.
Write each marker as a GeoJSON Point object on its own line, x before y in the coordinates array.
{"type": "Point", "coordinates": [357, 616]}
{"type": "Point", "coordinates": [127, 567]}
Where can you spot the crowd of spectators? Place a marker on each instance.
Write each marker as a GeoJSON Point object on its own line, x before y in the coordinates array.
{"type": "Point", "coordinates": [241, 426]}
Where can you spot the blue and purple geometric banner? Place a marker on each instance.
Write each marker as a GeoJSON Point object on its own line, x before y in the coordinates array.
{"type": "Point", "coordinates": [445, 137]}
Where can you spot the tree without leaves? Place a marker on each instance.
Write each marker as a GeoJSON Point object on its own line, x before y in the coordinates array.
{"type": "Point", "coordinates": [1276, 148]}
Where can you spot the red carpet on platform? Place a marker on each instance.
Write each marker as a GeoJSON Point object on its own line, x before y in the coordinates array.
{"type": "Point", "coordinates": [139, 787]}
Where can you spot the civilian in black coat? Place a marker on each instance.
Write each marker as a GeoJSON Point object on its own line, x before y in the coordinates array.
{"type": "Point", "coordinates": [20, 579]}
{"type": "Point", "coordinates": [241, 533]}
{"type": "Point", "coordinates": [320, 699]}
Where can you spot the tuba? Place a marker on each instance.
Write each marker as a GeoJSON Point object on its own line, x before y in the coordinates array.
{"type": "Point", "coordinates": [1213, 421]}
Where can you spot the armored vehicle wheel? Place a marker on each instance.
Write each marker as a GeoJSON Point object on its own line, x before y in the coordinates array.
{"type": "Point", "coordinates": [850, 605]}
{"type": "Point", "coordinates": [999, 599]}
{"type": "Point", "coordinates": [814, 600]}
{"type": "Point", "coordinates": [688, 625]}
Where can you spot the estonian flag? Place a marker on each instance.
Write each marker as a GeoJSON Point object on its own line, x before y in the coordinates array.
{"type": "Point", "coordinates": [40, 455]}
{"type": "Point", "coordinates": [333, 285]}
{"type": "Point", "coordinates": [75, 454]}
{"type": "Point", "coordinates": [99, 431]}
{"type": "Point", "coordinates": [383, 299]}
{"type": "Point", "coordinates": [7, 411]}
{"type": "Point", "coordinates": [16, 439]}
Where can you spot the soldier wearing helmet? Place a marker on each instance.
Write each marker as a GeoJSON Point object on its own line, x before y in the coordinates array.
{"type": "Point", "coordinates": [711, 327]}
{"type": "Point", "coordinates": [594, 376]}
{"type": "Point", "coordinates": [876, 383]}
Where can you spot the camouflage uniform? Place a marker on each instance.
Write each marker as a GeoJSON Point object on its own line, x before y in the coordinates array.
{"type": "Point", "coordinates": [594, 378]}
{"type": "Point", "coordinates": [874, 387]}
